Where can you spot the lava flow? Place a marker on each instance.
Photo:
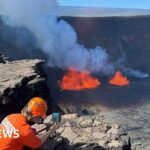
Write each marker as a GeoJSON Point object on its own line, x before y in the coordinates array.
{"type": "Point", "coordinates": [119, 79]}
{"type": "Point", "coordinates": [75, 80]}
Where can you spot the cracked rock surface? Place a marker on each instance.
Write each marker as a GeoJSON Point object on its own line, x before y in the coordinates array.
{"type": "Point", "coordinates": [19, 81]}
{"type": "Point", "coordinates": [87, 133]}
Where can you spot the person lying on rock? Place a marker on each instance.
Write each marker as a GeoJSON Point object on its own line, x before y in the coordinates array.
{"type": "Point", "coordinates": [16, 131]}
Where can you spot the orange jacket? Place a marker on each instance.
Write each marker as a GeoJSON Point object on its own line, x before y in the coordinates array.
{"type": "Point", "coordinates": [22, 133]}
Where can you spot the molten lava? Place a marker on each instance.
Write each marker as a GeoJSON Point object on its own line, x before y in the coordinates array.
{"type": "Point", "coordinates": [75, 80]}
{"type": "Point", "coordinates": [119, 80]}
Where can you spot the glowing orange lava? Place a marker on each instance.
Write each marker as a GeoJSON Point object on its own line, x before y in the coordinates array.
{"type": "Point", "coordinates": [119, 79]}
{"type": "Point", "coordinates": [75, 80]}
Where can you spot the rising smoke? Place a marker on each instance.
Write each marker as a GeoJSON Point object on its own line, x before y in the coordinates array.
{"type": "Point", "coordinates": [57, 39]}
{"type": "Point", "coordinates": [120, 64]}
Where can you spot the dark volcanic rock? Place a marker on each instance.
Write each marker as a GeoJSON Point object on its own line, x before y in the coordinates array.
{"type": "Point", "coordinates": [20, 81]}
{"type": "Point", "coordinates": [3, 59]}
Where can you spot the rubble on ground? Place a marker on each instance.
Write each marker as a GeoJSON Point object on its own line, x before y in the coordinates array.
{"type": "Point", "coordinates": [87, 133]}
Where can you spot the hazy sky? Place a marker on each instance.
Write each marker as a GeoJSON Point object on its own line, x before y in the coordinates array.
{"type": "Point", "coordinates": [144, 4]}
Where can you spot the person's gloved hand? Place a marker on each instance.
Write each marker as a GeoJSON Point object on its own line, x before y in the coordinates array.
{"type": "Point", "coordinates": [52, 135]}
{"type": "Point", "coordinates": [53, 132]}
{"type": "Point", "coordinates": [34, 130]}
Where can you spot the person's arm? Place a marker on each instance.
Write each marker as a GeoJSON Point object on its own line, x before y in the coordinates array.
{"type": "Point", "coordinates": [30, 139]}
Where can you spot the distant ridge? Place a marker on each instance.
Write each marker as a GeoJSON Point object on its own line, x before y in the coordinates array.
{"type": "Point", "coordinates": [99, 11]}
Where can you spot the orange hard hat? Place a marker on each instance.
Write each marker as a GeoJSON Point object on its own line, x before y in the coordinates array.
{"type": "Point", "coordinates": [38, 107]}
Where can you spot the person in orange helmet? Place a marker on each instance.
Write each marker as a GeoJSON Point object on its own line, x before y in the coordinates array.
{"type": "Point", "coordinates": [15, 129]}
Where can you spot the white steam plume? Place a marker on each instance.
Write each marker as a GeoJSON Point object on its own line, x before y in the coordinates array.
{"type": "Point", "coordinates": [120, 63]}
{"type": "Point", "coordinates": [56, 38]}
{"type": "Point", "coordinates": [135, 73]}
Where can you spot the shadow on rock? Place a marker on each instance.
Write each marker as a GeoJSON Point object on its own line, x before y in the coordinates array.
{"type": "Point", "coordinates": [64, 144]}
